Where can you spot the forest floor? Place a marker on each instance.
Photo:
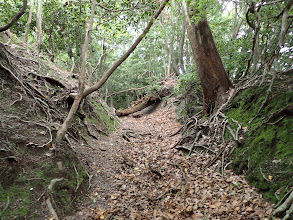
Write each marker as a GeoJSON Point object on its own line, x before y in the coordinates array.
{"type": "Point", "coordinates": [136, 173]}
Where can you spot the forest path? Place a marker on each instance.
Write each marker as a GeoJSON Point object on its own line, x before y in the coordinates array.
{"type": "Point", "coordinates": [137, 174]}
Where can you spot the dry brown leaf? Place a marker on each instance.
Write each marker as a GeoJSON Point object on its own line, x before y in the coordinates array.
{"type": "Point", "coordinates": [248, 209]}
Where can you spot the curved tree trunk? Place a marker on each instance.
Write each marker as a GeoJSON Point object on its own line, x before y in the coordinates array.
{"type": "Point", "coordinates": [15, 18]}
{"type": "Point", "coordinates": [85, 92]}
{"type": "Point", "coordinates": [214, 80]}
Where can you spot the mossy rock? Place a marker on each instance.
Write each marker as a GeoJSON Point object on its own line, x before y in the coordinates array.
{"type": "Point", "coordinates": [103, 116]}
{"type": "Point", "coordinates": [266, 154]}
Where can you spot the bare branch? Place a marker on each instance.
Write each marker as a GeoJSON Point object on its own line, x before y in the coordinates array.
{"type": "Point", "coordinates": [16, 17]}
{"type": "Point", "coordinates": [125, 56]}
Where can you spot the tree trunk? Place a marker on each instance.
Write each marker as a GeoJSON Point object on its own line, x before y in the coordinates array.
{"type": "Point", "coordinates": [181, 49]}
{"type": "Point", "coordinates": [29, 20]}
{"type": "Point", "coordinates": [214, 80]}
{"type": "Point", "coordinates": [39, 23]}
{"type": "Point", "coordinates": [81, 84]}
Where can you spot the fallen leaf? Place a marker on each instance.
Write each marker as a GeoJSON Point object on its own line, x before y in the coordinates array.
{"type": "Point", "coordinates": [212, 206]}
{"type": "Point", "coordinates": [248, 209]}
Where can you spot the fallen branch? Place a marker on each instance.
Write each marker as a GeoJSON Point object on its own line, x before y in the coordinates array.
{"type": "Point", "coordinates": [52, 183]}
{"type": "Point", "coordinates": [146, 103]}
{"type": "Point", "coordinates": [51, 209]}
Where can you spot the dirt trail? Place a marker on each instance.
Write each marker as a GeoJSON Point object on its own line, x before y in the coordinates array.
{"type": "Point", "coordinates": [137, 174]}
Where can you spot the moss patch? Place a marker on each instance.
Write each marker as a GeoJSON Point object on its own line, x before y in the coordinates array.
{"type": "Point", "coordinates": [266, 155]}
{"type": "Point", "coordinates": [19, 196]}
{"type": "Point", "coordinates": [101, 115]}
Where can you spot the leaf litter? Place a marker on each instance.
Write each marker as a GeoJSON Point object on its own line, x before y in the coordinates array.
{"type": "Point", "coordinates": [153, 180]}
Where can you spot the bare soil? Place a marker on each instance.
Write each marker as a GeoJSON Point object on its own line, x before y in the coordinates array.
{"type": "Point", "coordinates": [136, 173]}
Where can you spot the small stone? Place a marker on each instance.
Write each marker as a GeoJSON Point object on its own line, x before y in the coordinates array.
{"type": "Point", "coordinates": [123, 187]}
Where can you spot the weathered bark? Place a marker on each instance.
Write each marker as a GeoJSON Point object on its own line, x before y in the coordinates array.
{"type": "Point", "coordinates": [214, 80]}
{"type": "Point", "coordinates": [15, 18]}
{"type": "Point", "coordinates": [143, 103]}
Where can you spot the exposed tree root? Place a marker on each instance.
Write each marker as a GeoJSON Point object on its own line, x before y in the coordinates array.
{"type": "Point", "coordinates": [287, 205]}
{"type": "Point", "coordinates": [48, 201]}
{"type": "Point", "coordinates": [209, 134]}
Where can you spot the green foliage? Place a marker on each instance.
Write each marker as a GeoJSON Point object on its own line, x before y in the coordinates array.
{"type": "Point", "coordinates": [8, 9]}
{"type": "Point", "coordinates": [189, 88]}
{"type": "Point", "coordinates": [18, 201]}
{"type": "Point", "coordinates": [204, 9]}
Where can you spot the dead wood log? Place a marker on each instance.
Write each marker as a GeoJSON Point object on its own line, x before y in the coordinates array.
{"type": "Point", "coordinates": [147, 101]}
{"type": "Point", "coordinates": [139, 105]}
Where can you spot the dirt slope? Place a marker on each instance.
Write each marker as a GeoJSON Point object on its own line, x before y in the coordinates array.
{"type": "Point", "coordinates": [137, 174]}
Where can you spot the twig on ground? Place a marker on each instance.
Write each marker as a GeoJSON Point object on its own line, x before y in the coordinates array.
{"type": "Point", "coordinates": [52, 183]}
{"type": "Point", "coordinates": [227, 165]}
{"type": "Point", "coordinates": [177, 132]}
{"type": "Point", "coordinates": [195, 140]}
{"type": "Point", "coordinates": [90, 178]}
{"type": "Point", "coordinates": [263, 175]}
{"type": "Point", "coordinates": [283, 198]}
{"type": "Point", "coordinates": [77, 178]}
